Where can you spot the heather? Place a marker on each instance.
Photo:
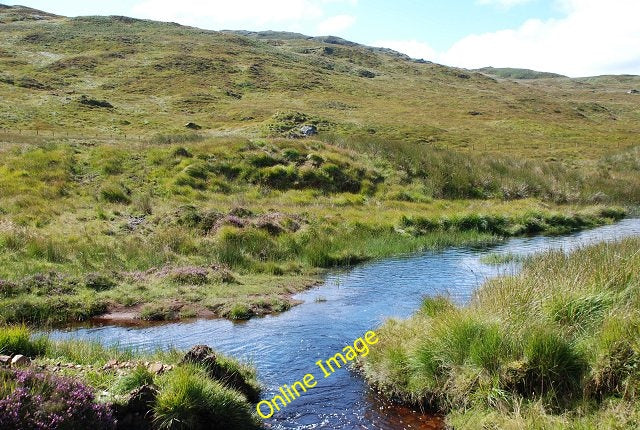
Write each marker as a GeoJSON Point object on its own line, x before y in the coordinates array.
{"type": "Point", "coordinates": [84, 385]}
{"type": "Point", "coordinates": [555, 346]}
{"type": "Point", "coordinates": [32, 400]}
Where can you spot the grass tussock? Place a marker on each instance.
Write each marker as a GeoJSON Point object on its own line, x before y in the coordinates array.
{"type": "Point", "coordinates": [553, 347]}
{"type": "Point", "coordinates": [167, 231]}
{"type": "Point", "coordinates": [190, 400]}
{"type": "Point", "coordinates": [190, 396]}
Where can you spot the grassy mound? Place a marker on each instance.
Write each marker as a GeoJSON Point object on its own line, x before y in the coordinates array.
{"type": "Point", "coordinates": [557, 346]}
{"type": "Point", "coordinates": [190, 400]}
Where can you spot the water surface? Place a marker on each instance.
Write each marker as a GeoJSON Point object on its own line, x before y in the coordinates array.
{"type": "Point", "coordinates": [349, 303]}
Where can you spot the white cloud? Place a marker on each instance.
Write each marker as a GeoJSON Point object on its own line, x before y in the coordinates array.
{"type": "Point", "coordinates": [292, 15]}
{"type": "Point", "coordinates": [413, 48]}
{"type": "Point", "coordinates": [595, 37]}
{"type": "Point", "coordinates": [335, 24]}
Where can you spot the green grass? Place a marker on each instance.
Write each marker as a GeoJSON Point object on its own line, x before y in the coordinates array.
{"type": "Point", "coordinates": [231, 84]}
{"type": "Point", "coordinates": [511, 73]}
{"type": "Point", "coordinates": [18, 340]}
{"type": "Point", "coordinates": [553, 347]}
{"type": "Point", "coordinates": [495, 258]}
{"type": "Point", "coordinates": [165, 248]}
{"type": "Point", "coordinates": [189, 396]}
{"type": "Point", "coordinates": [104, 207]}
{"type": "Point", "coordinates": [190, 400]}
{"type": "Point", "coordinates": [139, 377]}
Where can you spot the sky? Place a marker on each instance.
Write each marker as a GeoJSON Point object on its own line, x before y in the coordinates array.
{"type": "Point", "coordinates": [572, 37]}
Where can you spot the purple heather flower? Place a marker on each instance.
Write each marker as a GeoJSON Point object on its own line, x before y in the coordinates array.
{"type": "Point", "coordinates": [45, 402]}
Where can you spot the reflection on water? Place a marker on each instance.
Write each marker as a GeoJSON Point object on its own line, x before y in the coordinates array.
{"type": "Point", "coordinates": [285, 347]}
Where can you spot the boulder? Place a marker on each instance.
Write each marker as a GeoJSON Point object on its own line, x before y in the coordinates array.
{"type": "Point", "coordinates": [366, 74]}
{"type": "Point", "coordinates": [5, 360]}
{"type": "Point", "coordinates": [634, 91]}
{"type": "Point", "coordinates": [308, 130]}
{"type": "Point", "coordinates": [20, 361]}
{"type": "Point", "coordinates": [156, 368]}
{"type": "Point", "coordinates": [93, 103]}
{"type": "Point", "coordinates": [200, 354]}
{"type": "Point", "coordinates": [192, 126]}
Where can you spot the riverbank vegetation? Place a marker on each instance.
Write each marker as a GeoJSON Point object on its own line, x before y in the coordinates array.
{"type": "Point", "coordinates": [233, 227]}
{"type": "Point", "coordinates": [124, 196]}
{"type": "Point", "coordinates": [83, 385]}
{"type": "Point", "coordinates": [556, 346]}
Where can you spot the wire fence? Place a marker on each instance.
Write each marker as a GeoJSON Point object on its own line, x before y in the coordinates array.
{"type": "Point", "coordinates": [74, 134]}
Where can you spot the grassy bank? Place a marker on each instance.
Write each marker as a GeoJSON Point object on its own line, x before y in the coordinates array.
{"type": "Point", "coordinates": [87, 386]}
{"type": "Point", "coordinates": [553, 347]}
{"type": "Point", "coordinates": [233, 227]}
{"type": "Point", "coordinates": [110, 205]}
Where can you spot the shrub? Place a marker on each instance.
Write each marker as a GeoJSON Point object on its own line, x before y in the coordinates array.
{"type": "Point", "coordinates": [617, 363]}
{"type": "Point", "coordinates": [292, 155]}
{"type": "Point", "coordinates": [185, 180]}
{"type": "Point", "coordinates": [433, 306]}
{"type": "Point", "coordinates": [51, 309]}
{"type": "Point", "coordinates": [613, 213]}
{"type": "Point", "coordinates": [278, 177]}
{"type": "Point", "coordinates": [189, 399]}
{"type": "Point", "coordinates": [38, 401]}
{"type": "Point", "coordinates": [46, 284]}
{"type": "Point", "coordinates": [581, 311]}
{"type": "Point", "coordinates": [190, 275]}
{"type": "Point", "coordinates": [237, 247]}
{"type": "Point", "coordinates": [264, 160]}
{"type": "Point", "coordinates": [197, 170]}
{"type": "Point", "coordinates": [181, 151]}
{"type": "Point", "coordinates": [9, 289]}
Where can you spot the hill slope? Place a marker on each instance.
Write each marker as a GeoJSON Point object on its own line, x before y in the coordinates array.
{"type": "Point", "coordinates": [511, 73]}
{"type": "Point", "coordinates": [107, 203]}
{"type": "Point", "coordinates": [159, 76]}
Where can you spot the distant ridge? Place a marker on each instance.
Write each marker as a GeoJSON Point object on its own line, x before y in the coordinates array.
{"type": "Point", "coordinates": [332, 40]}
{"type": "Point", "coordinates": [515, 73]}
{"type": "Point", "coordinates": [22, 13]}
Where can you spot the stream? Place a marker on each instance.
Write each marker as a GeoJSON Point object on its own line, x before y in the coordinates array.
{"type": "Point", "coordinates": [347, 304]}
